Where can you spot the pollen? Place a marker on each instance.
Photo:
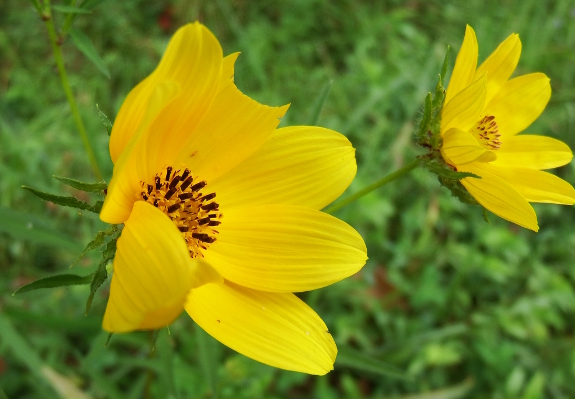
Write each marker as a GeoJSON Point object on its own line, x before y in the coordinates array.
{"type": "Point", "coordinates": [188, 204]}
{"type": "Point", "coordinates": [487, 133]}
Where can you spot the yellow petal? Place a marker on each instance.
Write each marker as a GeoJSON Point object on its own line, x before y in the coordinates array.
{"type": "Point", "coordinates": [153, 273]}
{"type": "Point", "coordinates": [233, 129]}
{"type": "Point", "coordinates": [228, 69]}
{"type": "Point", "coordinates": [534, 152]}
{"type": "Point", "coordinates": [519, 102]}
{"type": "Point", "coordinates": [461, 147]}
{"type": "Point", "coordinates": [302, 165]}
{"type": "Point", "coordinates": [284, 248]}
{"type": "Point", "coordinates": [275, 329]}
{"type": "Point", "coordinates": [535, 185]}
{"type": "Point", "coordinates": [138, 161]}
{"type": "Point", "coordinates": [464, 109]}
{"type": "Point", "coordinates": [500, 65]}
{"type": "Point", "coordinates": [193, 59]}
{"type": "Point", "coordinates": [465, 65]}
{"type": "Point", "coordinates": [498, 196]}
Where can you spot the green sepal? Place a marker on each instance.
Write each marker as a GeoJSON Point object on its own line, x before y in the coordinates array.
{"type": "Point", "coordinates": [101, 273]}
{"type": "Point", "coordinates": [444, 67]}
{"type": "Point", "coordinates": [485, 215]}
{"type": "Point", "coordinates": [97, 242]}
{"type": "Point", "coordinates": [82, 186]}
{"type": "Point", "coordinates": [59, 280]}
{"type": "Point", "coordinates": [105, 121]}
{"type": "Point", "coordinates": [458, 191]}
{"type": "Point", "coordinates": [108, 339]}
{"type": "Point", "coordinates": [443, 170]}
{"type": "Point", "coordinates": [71, 202]}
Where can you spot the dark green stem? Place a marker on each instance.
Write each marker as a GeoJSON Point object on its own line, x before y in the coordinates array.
{"type": "Point", "coordinates": [374, 186]}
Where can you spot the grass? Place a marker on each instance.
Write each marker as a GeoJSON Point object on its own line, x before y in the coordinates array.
{"type": "Point", "coordinates": [461, 307]}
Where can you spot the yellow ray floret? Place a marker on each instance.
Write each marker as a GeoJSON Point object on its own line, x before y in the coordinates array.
{"type": "Point", "coordinates": [222, 211]}
{"type": "Point", "coordinates": [483, 113]}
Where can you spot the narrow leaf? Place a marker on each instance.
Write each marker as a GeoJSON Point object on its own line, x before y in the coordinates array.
{"type": "Point", "coordinates": [448, 173]}
{"type": "Point", "coordinates": [60, 280]}
{"type": "Point", "coordinates": [79, 185]}
{"type": "Point", "coordinates": [105, 120]}
{"type": "Point", "coordinates": [318, 104]}
{"type": "Point", "coordinates": [31, 228]}
{"type": "Point", "coordinates": [70, 10]}
{"type": "Point", "coordinates": [97, 242]}
{"type": "Point", "coordinates": [356, 360]}
{"type": "Point", "coordinates": [84, 44]}
{"type": "Point", "coordinates": [90, 4]}
{"type": "Point", "coordinates": [65, 201]}
{"type": "Point", "coordinates": [444, 67]}
{"type": "Point", "coordinates": [426, 118]}
{"type": "Point", "coordinates": [101, 274]}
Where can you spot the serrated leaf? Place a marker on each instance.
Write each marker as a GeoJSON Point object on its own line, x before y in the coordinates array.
{"type": "Point", "coordinates": [60, 280]}
{"type": "Point", "coordinates": [34, 229]}
{"type": "Point", "coordinates": [84, 44]}
{"type": "Point", "coordinates": [70, 10]}
{"type": "Point", "coordinates": [79, 185]}
{"type": "Point", "coordinates": [97, 242]}
{"type": "Point", "coordinates": [448, 173]}
{"type": "Point", "coordinates": [359, 361]}
{"type": "Point", "coordinates": [71, 202]}
{"type": "Point", "coordinates": [105, 121]}
{"type": "Point", "coordinates": [444, 67]}
{"type": "Point", "coordinates": [101, 274]}
{"type": "Point", "coordinates": [318, 104]}
{"type": "Point", "coordinates": [458, 191]}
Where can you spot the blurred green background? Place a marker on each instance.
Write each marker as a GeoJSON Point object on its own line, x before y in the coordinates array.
{"type": "Point", "coordinates": [462, 308]}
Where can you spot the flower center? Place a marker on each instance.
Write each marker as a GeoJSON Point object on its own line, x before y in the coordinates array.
{"type": "Point", "coordinates": [193, 212]}
{"type": "Point", "coordinates": [487, 133]}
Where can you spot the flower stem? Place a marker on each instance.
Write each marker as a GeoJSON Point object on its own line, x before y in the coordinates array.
{"type": "Point", "coordinates": [373, 186]}
{"type": "Point", "coordinates": [46, 15]}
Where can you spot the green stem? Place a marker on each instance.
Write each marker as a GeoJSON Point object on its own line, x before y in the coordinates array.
{"type": "Point", "coordinates": [68, 22]}
{"type": "Point", "coordinates": [374, 186]}
{"type": "Point", "coordinates": [47, 17]}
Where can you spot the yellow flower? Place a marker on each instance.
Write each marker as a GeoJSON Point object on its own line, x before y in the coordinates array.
{"type": "Point", "coordinates": [484, 110]}
{"type": "Point", "coordinates": [221, 211]}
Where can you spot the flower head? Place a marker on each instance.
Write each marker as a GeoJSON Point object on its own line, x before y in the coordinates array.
{"type": "Point", "coordinates": [221, 211]}
{"type": "Point", "coordinates": [484, 112]}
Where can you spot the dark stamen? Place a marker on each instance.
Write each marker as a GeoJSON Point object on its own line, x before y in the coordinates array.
{"type": "Point", "coordinates": [183, 229]}
{"type": "Point", "coordinates": [175, 182]}
{"type": "Point", "coordinates": [203, 237]}
{"type": "Point", "coordinates": [208, 197]}
{"type": "Point", "coordinates": [212, 215]}
{"type": "Point", "coordinates": [170, 192]}
{"type": "Point", "coordinates": [156, 202]}
{"type": "Point", "coordinates": [158, 184]}
{"type": "Point", "coordinates": [173, 208]}
{"type": "Point", "coordinates": [150, 188]}
{"type": "Point", "coordinates": [185, 196]}
{"type": "Point", "coordinates": [185, 174]}
{"type": "Point", "coordinates": [168, 173]}
{"type": "Point", "coordinates": [198, 186]}
{"type": "Point", "coordinates": [214, 223]}
{"type": "Point", "coordinates": [145, 197]}
{"type": "Point", "coordinates": [210, 207]}
{"type": "Point", "coordinates": [203, 221]}
{"type": "Point", "coordinates": [186, 183]}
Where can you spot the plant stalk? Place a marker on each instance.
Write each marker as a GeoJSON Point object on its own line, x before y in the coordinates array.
{"type": "Point", "coordinates": [373, 186]}
{"type": "Point", "coordinates": [46, 15]}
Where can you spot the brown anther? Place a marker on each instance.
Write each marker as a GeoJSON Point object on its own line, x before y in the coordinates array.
{"type": "Point", "coordinates": [198, 186]}
{"type": "Point", "coordinates": [173, 208]}
{"type": "Point", "coordinates": [211, 206]}
{"type": "Point", "coordinates": [186, 183]}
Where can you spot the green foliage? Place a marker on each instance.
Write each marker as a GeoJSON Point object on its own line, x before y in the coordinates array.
{"type": "Point", "coordinates": [101, 273]}
{"type": "Point", "coordinates": [60, 280]}
{"type": "Point", "coordinates": [105, 121]}
{"type": "Point", "coordinates": [318, 104]}
{"type": "Point", "coordinates": [70, 10]}
{"type": "Point", "coordinates": [85, 45]}
{"type": "Point", "coordinates": [71, 202]}
{"type": "Point", "coordinates": [446, 298]}
{"type": "Point", "coordinates": [87, 187]}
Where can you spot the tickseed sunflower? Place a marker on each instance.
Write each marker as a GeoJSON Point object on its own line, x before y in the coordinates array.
{"type": "Point", "coordinates": [484, 111]}
{"type": "Point", "coordinates": [221, 211]}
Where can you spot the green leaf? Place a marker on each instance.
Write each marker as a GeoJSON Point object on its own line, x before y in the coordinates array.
{"type": "Point", "coordinates": [97, 242]}
{"type": "Point", "coordinates": [79, 185]}
{"type": "Point", "coordinates": [70, 10]}
{"type": "Point", "coordinates": [105, 120]}
{"type": "Point", "coordinates": [84, 44]}
{"type": "Point", "coordinates": [71, 202]}
{"type": "Point", "coordinates": [318, 104]}
{"type": "Point", "coordinates": [60, 280]}
{"type": "Point", "coordinates": [91, 4]}
{"type": "Point", "coordinates": [444, 67]}
{"type": "Point", "coordinates": [458, 391]}
{"type": "Point", "coordinates": [359, 361]}
{"type": "Point", "coordinates": [34, 229]}
{"type": "Point", "coordinates": [426, 118]}
{"type": "Point", "coordinates": [448, 173]}
{"type": "Point", "coordinates": [458, 191]}
{"type": "Point", "coordinates": [101, 274]}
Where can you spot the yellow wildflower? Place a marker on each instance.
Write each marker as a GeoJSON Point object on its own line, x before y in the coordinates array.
{"type": "Point", "coordinates": [484, 111]}
{"type": "Point", "coordinates": [221, 211]}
